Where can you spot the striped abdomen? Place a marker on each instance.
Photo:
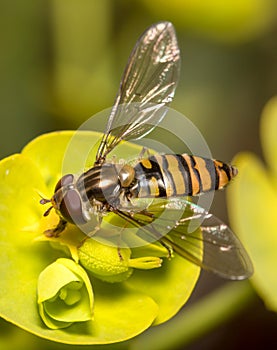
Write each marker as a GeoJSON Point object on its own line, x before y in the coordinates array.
{"type": "Point", "coordinates": [180, 175]}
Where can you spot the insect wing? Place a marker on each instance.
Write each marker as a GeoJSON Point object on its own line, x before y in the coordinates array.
{"type": "Point", "coordinates": [222, 251]}
{"type": "Point", "coordinates": [147, 86]}
{"type": "Point", "coordinates": [196, 235]}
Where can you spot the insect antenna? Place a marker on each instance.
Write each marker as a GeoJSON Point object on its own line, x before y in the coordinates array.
{"type": "Point", "coordinates": [45, 201]}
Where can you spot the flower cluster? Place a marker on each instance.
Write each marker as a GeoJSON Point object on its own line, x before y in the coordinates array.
{"type": "Point", "coordinates": [95, 293]}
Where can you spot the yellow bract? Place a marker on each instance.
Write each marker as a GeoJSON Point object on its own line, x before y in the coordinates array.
{"type": "Point", "coordinates": [253, 207]}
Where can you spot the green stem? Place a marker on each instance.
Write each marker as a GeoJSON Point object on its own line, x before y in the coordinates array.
{"type": "Point", "coordinates": [198, 319]}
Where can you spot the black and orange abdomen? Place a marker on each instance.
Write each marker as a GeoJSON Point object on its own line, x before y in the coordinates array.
{"type": "Point", "coordinates": [180, 175]}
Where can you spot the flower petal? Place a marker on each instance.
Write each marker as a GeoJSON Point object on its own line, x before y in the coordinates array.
{"type": "Point", "coordinates": [70, 152]}
{"type": "Point", "coordinates": [268, 135]}
{"type": "Point", "coordinates": [170, 285]}
{"type": "Point", "coordinates": [20, 182]}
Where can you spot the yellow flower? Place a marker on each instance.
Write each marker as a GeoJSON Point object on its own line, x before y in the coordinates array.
{"type": "Point", "coordinates": [148, 291]}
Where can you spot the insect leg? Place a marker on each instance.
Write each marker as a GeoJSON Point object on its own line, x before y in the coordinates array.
{"type": "Point", "coordinates": [143, 152]}
{"type": "Point", "coordinates": [151, 232]}
{"type": "Point", "coordinates": [55, 232]}
{"type": "Point", "coordinates": [168, 247]}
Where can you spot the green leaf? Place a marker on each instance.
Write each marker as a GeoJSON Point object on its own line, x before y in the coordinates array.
{"type": "Point", "coordinates": [253, 205]}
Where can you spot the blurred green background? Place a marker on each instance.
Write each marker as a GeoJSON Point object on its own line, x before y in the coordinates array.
{"type": "Point", "coordinates": [61, 62]}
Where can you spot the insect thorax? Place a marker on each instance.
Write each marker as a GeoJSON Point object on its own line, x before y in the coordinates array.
{"type": "Point", "coordinates": [107, 183]}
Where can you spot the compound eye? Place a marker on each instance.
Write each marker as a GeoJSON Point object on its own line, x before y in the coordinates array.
{"type": "Point", "coordinates": [71, 208]}
{"type": "Point", "coordinates": [65, 180]}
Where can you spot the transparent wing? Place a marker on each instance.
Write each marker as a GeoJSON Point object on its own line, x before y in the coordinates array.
{"type": "Point", "coordinates": [196, 235]}
{"type": "Point", "coordinates": [147, 86]}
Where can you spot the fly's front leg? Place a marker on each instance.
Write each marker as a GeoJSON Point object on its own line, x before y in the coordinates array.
{"type": "Point", "coordinates": [99, 219]}
{"type": "Point", "coordinates": [119, 240]}
{"type": "Point", "coordinates": [119, 254]}
{"type": "Point", "coordinates": [55, 232]}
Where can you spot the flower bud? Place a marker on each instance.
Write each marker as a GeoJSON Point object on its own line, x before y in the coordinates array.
{"type": "Point", "coordinates": [64, 294]}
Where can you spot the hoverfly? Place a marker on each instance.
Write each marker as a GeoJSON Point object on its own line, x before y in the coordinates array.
{"type": "Point", "coordinates": [149, 82]}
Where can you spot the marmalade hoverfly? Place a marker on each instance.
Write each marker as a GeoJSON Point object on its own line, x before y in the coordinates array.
{"type": "Point", "coordinates": [149, 82]}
